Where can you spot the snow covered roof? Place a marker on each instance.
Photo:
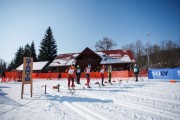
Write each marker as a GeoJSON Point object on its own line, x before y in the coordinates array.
{"type": "Point", "coordinates": [64, 60]}
{"type": "Point", "coordinates": [108, 57]}
{"type": "Point", "coordinates": [116, 56]}
{"type": "Point", "coordinates": [36, 65]}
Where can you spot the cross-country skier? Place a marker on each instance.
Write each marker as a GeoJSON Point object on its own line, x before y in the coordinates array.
{"type": "Point", "coordinates": [136, 72]}
{"type": "Point", "coordinates": [78, 74]}
{"type": "Point", "coordinates": [102, 70]}
{"type": "Point", "coordinates": [71, 74]}
{"type": "Point", "coordinates": [87, 71]}
{"type": "Point", "coordinates": [109, 73]}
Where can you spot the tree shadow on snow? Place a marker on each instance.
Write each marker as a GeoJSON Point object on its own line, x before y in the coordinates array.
{"type": "Point", "coordinates": [14, 83]}
{"type": "Point", "coordinates": [7, 101]}
{"type": "Point", "coordinates": [4, 87]}
{"type": "Point", "coordinates": [107, 90]}
{"type": "Point", "coordinates": [76, 99]}
{"type": "Point", "coordinates": [2, 94]}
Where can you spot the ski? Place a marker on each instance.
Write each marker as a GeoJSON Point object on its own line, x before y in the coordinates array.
{"type": "Point", "coordinates": [71, 91]}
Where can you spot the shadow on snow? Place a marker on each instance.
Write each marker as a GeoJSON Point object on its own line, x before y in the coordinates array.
{"type": "Point", "coordinates": [75, 99]}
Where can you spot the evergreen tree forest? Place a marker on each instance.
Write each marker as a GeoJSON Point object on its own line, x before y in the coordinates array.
{"type": "Point", "coordinates": [47, 51]}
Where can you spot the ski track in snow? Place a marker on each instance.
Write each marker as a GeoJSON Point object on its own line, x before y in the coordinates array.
{"type": "Point", "coordinates": [52, 109]}
{"type": "Point", "coordinates": [137, 106]}
{"type": "Point", "coordinates": [152, 109]}
{"type": "Point", "coordinates": [81, 110]}
{"type": "Point", "coordinates": [148, 104]}
{"type": "Point", "coordinates": [168, 104]}
{"type": "Point", "coordinates": [125, 101]}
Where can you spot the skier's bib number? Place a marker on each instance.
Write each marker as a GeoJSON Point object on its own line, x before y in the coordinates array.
{"type": "Point", "coordinates": [71, 71]}
{"type": "Point", "coordinates": [135, 70]}
{"type": "Point", "coordinates": [78, 71]}
{"type": "Point", "coordinates": [87, 70]}
{"type": "Point", "coordinates": [102, 70]}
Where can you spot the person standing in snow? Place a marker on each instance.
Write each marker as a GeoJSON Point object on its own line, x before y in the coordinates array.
{"type": "Point", "coordinates": [136, 72]}
{"type": "Point", "coordinates": [102, 70]}
{"type": "Point", "coordinates": [87, 71]}
{"type": "Point", "coordinates": [71, 74]}
{"type": "Point", "coordinates": [78, 74]}
{"type": "Point", "coordinates": [109, 73]}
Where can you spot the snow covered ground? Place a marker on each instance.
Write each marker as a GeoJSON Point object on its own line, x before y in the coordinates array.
{"type": "Point", "coordinates": [144, 100]}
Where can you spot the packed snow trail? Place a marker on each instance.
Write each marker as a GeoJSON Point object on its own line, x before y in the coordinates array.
{"type": "Point", "coordinates": [125, 101]}
{"type": "Point", "coordinates": [86, 113]}
{"type": "Point", "coordinates": [144, 109]}
{"type": "Point", "coordinates": [121, 103]}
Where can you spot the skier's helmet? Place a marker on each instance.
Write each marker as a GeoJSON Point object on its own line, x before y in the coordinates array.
{"type": "Point", "coordinates": [89, 65]}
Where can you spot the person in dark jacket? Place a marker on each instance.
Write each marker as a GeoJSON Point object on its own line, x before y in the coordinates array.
{"type": "Point", "coordinates": [136, 72]}
{"type": "Point", "coordinates": [78, 74]}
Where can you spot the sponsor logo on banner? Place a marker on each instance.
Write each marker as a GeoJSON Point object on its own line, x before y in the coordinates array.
{"type": "Point", "coordinates": [167, 73]}
{"type": "Point", "coordinates": [159, 73]}
{"type": "Point", "coordinates": [178, 72]}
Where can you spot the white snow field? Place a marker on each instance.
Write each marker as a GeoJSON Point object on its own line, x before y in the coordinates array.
{"type": "Point", "coordinates": [143, 100]}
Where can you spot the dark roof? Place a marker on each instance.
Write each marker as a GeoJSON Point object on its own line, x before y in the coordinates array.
{"type": "Point", "coordinates": [87, 51]}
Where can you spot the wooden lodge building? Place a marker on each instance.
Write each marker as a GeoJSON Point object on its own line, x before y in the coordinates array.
{"type": "Point", "coordinates": [119, 59]}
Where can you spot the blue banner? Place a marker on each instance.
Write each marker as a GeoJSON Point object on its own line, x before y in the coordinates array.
{"type": "Point", "coordinates": [166, 73]}
{"type": "Point", "coordinates": [176, 73]}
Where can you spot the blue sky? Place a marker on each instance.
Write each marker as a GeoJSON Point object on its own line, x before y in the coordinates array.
{"type": "Point", "coordinates": [77, 24]}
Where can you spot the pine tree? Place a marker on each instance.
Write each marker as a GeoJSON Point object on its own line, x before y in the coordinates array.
{"type": "Point", "coordinates": [48, 47]}
{"type": "Point", "coordinates": [27, 51]}
{"type": "Point", "coordinates": [2, 66]}
{"type": "Point", "coordinates": [18, 58]}
{"type": "Point", "coordinates": [17, 61]}
{"type": "Point", "coordinates": [11, 66]}
{"type": "Point", "coordinates": [33, 52]}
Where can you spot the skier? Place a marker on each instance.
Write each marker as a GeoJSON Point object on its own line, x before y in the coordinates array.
{"type": "Point", "coordinates": [78, 74]}
{"type": "Point", "coordinates": [103, 68]}
{"type": "Point", "coordinates": [87, 71]}
{"type": "Point", "coordinates": [109, 73]}
{"type": "Point", "coordinates": [71, 74]}
{"type": "Point", "coordinates": [136, 72]}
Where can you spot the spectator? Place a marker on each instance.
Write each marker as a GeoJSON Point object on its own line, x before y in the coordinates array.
{"type": "Point", "coordinates": [136, 72]}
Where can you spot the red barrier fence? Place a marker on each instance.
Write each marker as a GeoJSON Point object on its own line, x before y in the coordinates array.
{"type": "Point", "coordinates": [16, 75]}
{"type": "Point", "coordinates": [142, 73]}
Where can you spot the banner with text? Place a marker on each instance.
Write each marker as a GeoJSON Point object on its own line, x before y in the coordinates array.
{"type": "Point", "coordinates": [166, 73]}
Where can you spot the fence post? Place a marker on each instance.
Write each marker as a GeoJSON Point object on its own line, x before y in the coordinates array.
{"type": "Point", "coordinates": [58, 87]}
{"type": "Point", "coordinates": [45, 89]}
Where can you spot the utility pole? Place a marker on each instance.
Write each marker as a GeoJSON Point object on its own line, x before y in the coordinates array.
{"type": "Point", "coordinates": [148, 34]}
